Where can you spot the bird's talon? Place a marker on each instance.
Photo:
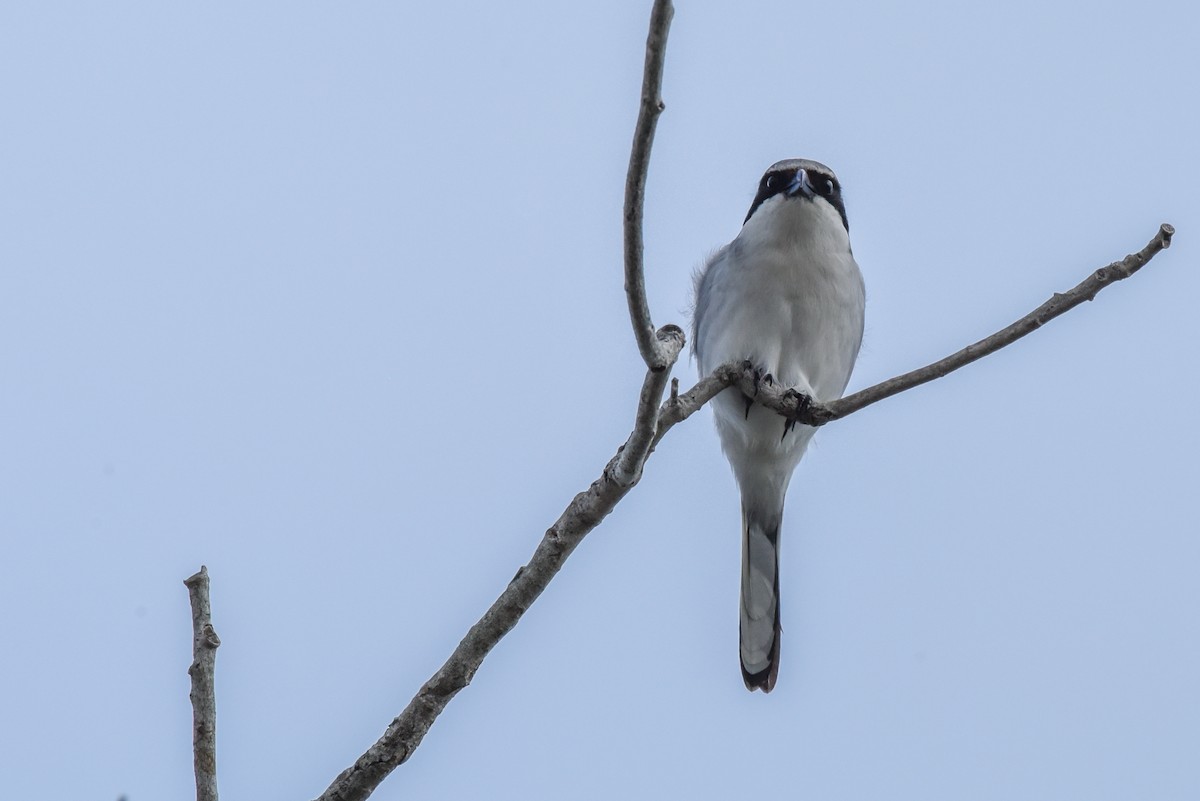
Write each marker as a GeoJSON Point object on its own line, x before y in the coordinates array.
{"type": "Point", "coordinates": [757, 380]}
{"type": "Point", "coordinates": [757, 376]}
{"type": "Point", "coordinates": [803, 402]}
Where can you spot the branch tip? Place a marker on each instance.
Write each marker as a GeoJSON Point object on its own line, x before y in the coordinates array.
{"type": "Point", "coordinates": [198, 576]}
{"type": "Point", "coordinates": [203, 694]}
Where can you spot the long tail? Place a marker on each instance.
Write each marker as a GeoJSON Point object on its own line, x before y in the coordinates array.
{"type": "Point", "coordinates": [759, 627]}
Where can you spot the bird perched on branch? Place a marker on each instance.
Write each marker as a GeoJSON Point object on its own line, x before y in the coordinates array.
{"type": "Point", "coordinates": [787, 296]}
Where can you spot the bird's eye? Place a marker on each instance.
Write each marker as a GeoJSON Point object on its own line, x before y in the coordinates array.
{"type": "Point", "coordinates": [824, 185]}
{"type": "Point", "coordinates": [770, 182]}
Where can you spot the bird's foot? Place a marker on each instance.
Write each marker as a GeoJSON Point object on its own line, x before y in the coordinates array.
{"type": "Point", "coordinates": [803, 402]}
{"type": "Point", "coordinates": [761, 376]}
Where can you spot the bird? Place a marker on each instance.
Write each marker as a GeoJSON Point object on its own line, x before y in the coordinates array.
{"type": "Point", "coordinates": [786, 296]}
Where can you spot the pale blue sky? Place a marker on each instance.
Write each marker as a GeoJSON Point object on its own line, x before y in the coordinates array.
{"type": "Point", "coordinates": [329, 298]}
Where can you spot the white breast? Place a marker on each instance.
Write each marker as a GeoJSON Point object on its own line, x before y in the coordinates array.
{"type": "Point", "coordinates": [787, 295]}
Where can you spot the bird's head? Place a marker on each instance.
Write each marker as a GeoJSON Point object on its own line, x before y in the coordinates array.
{"type": "Point", "coordinates": [798, 181]}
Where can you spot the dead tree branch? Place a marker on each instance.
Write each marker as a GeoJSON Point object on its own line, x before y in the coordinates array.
{"type": "Point", "coordinates": [203, 695]}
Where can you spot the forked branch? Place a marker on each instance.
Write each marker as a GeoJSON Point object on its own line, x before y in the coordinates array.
{"type": "Point", "coordinates": [659, 350]}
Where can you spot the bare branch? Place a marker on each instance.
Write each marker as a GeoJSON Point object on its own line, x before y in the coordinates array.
{"type": "Point", "coordinates": [654, 355]}
{"type": "Point", "coordinates": [583, 514]}
{"type": "Point", "coordinates": [204, 698]}
{"type": "Point", "coordinates": [812, 413]}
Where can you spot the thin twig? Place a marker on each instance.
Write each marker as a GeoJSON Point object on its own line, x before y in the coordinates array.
{"type": "Point", "coordinates": [203, 695]}
{"type": "Point", "coordinates": [790, 404]}
{"type": "Point", "coordinates": [652, 106]}
{"type": "Point", "coordinates": [680, 407]}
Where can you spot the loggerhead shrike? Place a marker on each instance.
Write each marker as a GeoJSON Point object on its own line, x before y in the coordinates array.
{"type": "Point", "coordinates": [787, 296]}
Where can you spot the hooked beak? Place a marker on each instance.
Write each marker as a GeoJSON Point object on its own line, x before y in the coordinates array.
{"type": "Point", "coordinates": [800, 185]}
